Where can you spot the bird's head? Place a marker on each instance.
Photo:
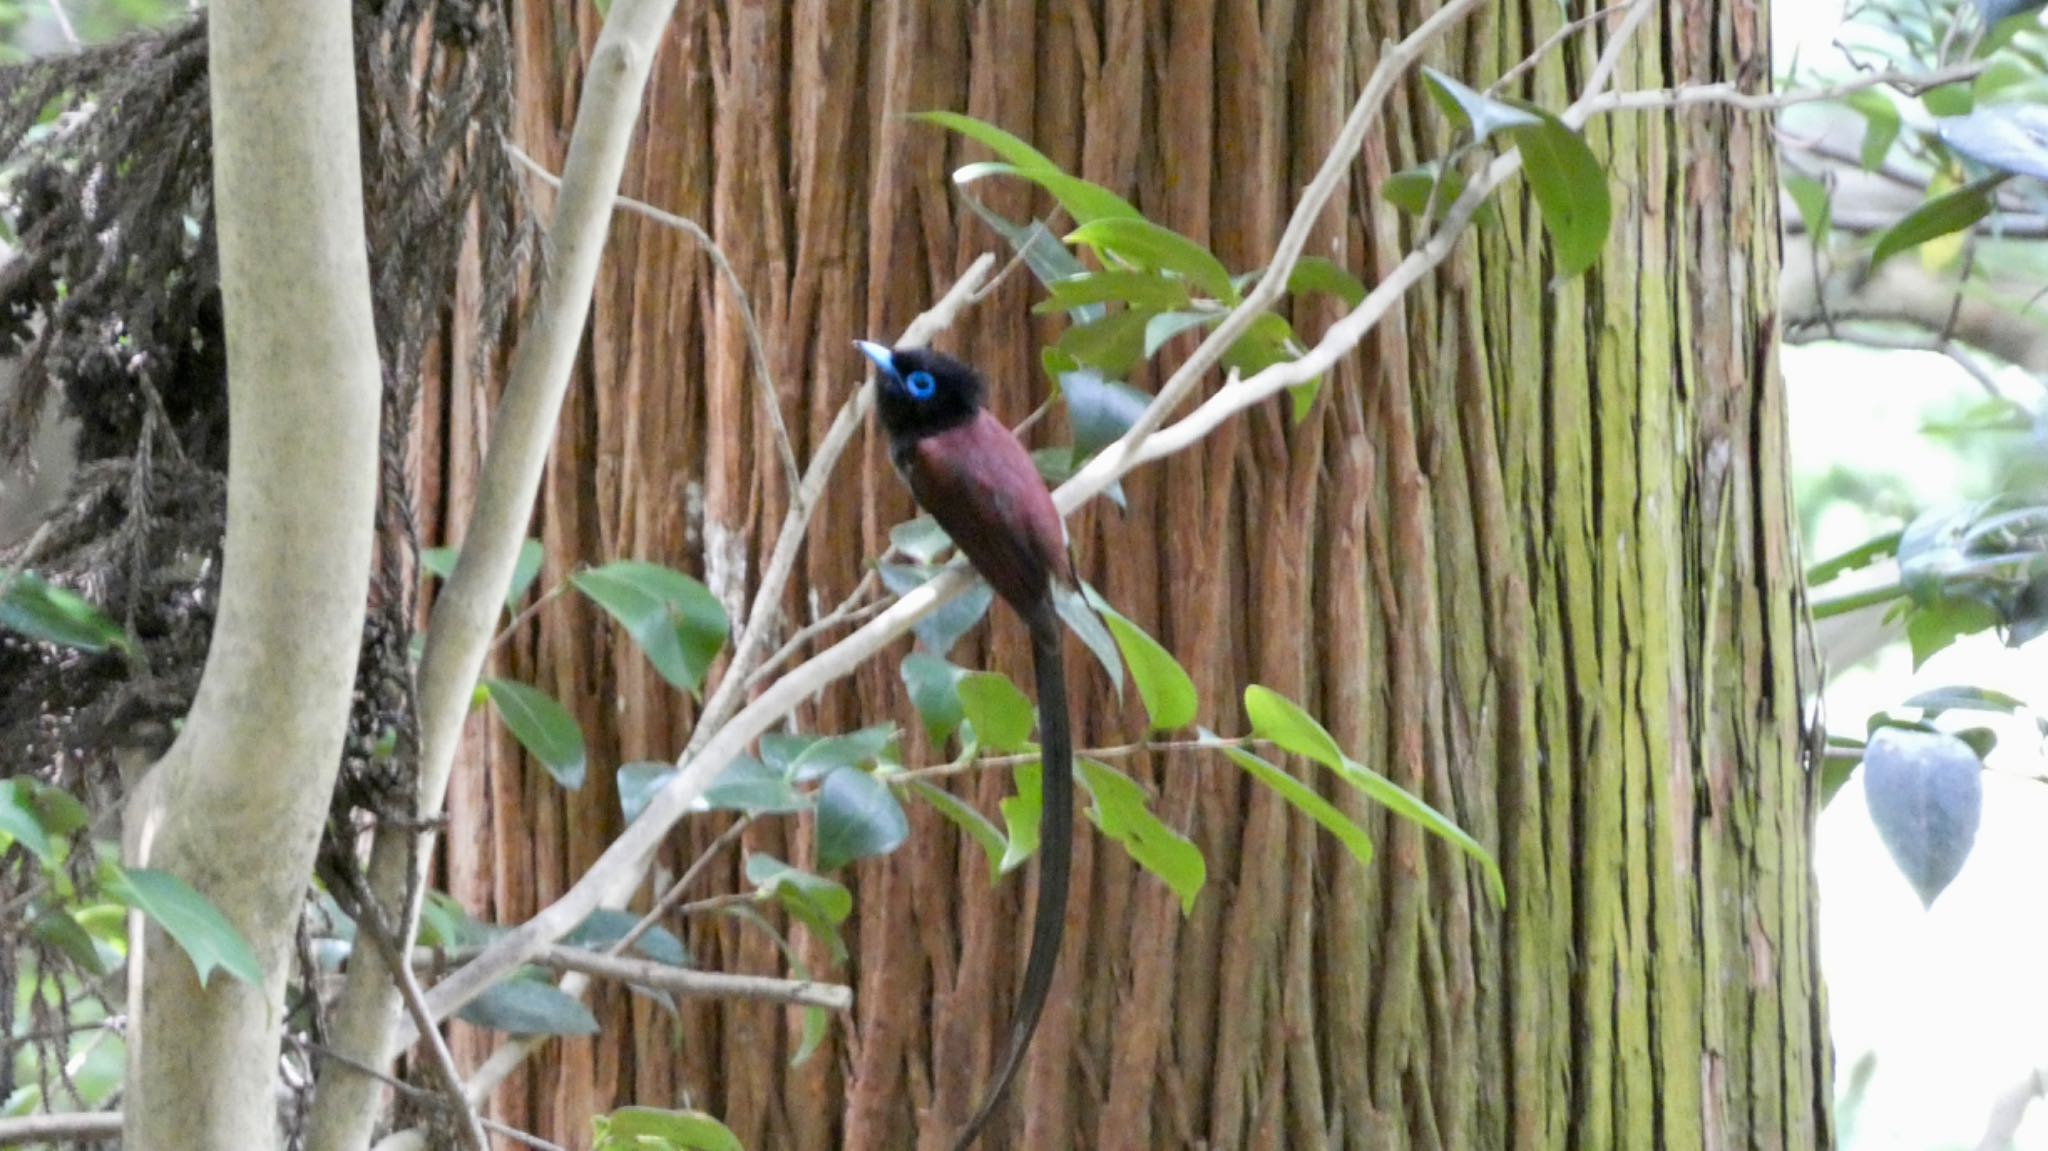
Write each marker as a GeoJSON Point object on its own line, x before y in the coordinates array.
{"type": "Point", "coordinates": [920, 392]}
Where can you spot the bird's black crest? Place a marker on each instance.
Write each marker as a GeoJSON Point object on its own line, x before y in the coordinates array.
{"type": "Point", "coordinates": [909, 409]}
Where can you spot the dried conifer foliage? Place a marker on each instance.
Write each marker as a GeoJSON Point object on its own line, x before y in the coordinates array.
{"type": "Point", "coordinates": [111, 302]}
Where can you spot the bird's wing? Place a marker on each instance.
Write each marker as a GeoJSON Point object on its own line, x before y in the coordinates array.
{"type": "Point", "coordinates": [979, 483]}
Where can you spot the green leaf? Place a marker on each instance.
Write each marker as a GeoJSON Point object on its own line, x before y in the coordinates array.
{"type": "Point", "coordinates": [1001, 716]}
{"type": "Point", "coordinates": [42, 611]}
{"type": "Point", "coordinates": [1862, 555]}
{"type": "Point", "coordinates": [1960, 697]}
{"type": "Point", "coordinates": [1083, 200]}
{"type": "Point", "coordinates": [55, 927]}
{"type": "Point", "coordinates": [818, 903]}
{"type": "Point", "coordinates": [205, 935]}
{"type": "Point", "coordinates": [1933, 626]}
{"type": "Point", "coordinates": [525, 570]}
{"type": "Point", "coordinates": [934, 687]}
{"type": "Point", "coordinates": [1166, 325]}
{"type": "Point", "coordinates": [1002, 143]}
{"type": "Point", "coordinates": [1121, 814]}
{"type": "Point", "coordinates": [1467, 108]}
{"type": "Point", "coordinates": [1944, 215]}
{"type": "Point", "coordinates": [676, 621]}
{"type": "Point", "coordinates": [543, 727]}
{"type": "Point", "coordinates": [639, 782]}
{"type": "Point", "coordinates": [18, 821]}
{"type": "Point", "coordinates": [1881, 124]}
{"type": "Point", "coordinates": [650, 1129]}
{"type": "Point", "coordinates": [858, 817]}
{"type": "Point", "coordinates": [1099, 411]}
{"type": "Point", "coordinates": [57, 810]}
{"type": "Point", "coordinates": [854, 749]}
{"type": "Point", "coordinates": [1815, 208]}
{"type": "Point", "coordinates": [1112, 344]}
{"type": "Point", "coordinates": [750, 786]}
{"type": "Point", "coordinates": [1148, 290]}
{"type": "Point", "coordinates": [1145, 244]}
{"type": "Point", "coordinates": [1083, 620]}
{"type": "Point", "coordinates": [604, 927]}
{"type": "Point", "coordinates": [1303, 798]}
{"type": "Point", "coordinates": [938, 631]}
{"type": "Point", "coordinates": [440, 562]}
{"type": "Point", "coordinates": [1021, 815]}
{"type": "Point", "coordinates": [528, 1007]}
{"type": "Point", "coordinates": [1275, 717]}
{"type": "Point", "coordinates": [1949, 100]}
{"type": "Point", "coordinates": [1163, 684]}
{"type": "Point", "coordinates": [964, 816]}
{"type": "Point", "coordinates": [1316, 274]}
{"type": "Point", "coordinates": [922, 539]}
{"type": "Point", "coordinates": [1571, 192]}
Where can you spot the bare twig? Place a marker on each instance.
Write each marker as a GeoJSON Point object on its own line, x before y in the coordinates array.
{"type": "Point", "coordinates": [1910, 83]}
{"type": "Point", "coordinates": [72, 1128]}
{"type": "Point", "coordinates": [526, 614]}
{"type": "Point", "coordinates": [756, 346]}
{"type": "Point", "coordinates": [668, 977]}
{"type": "Point", "coordinates": [1550, 43]}
{"type": "Point", "coordinates": [674, 894]}
{"type": "Point", "coordinates": [851, 610]}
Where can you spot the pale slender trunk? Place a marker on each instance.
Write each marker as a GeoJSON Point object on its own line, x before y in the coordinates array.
{"type": "Point", "coordinates": [245, 788]}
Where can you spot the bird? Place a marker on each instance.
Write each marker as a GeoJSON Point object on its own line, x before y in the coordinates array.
{"type": "Point", "coordinates": [975, 478]}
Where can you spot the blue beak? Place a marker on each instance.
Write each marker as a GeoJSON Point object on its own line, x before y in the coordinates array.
{"type": "Point", "coordinates": [883, 357]}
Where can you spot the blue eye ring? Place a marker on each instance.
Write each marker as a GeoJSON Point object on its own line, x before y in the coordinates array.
{"type": "Point", "coordinates": [920, 384]}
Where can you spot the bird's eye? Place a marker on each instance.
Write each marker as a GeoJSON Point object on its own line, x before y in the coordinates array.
{"type": "Point", "coordinates": [921, 384]}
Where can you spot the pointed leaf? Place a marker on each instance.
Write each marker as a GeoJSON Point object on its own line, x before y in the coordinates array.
{"type": "Point", "coordinates": [1145, 244]}
{"type": "Point", "coordinates": [528, 1007]}
{"type": "Point", "coordinates": [934, 687]}
{"type": "Point", "coordinates": [524, 571]}
{"type": "Point", "coordinates": [1166, 325]}
{"type": "Point", "coordinates": [42, 611]}
{"type": "Point", "coordinates": [1111, 345]}
{"type": "Point", "coordinates": [1816, 210]}
{"type": "Point", "coordinates": [1150, 290]}
{"type": "Point", "coordinates": [650, 1129]}
{"type": "Point", "coordinates": [542, 726]}
{"type": "Point", "coordinates": [1943, 215]}
{"type": "Point", "coordinates": [1881, 124]}
{"type": "Point", "coordinates": [1099, 410]}
{"type": "Point", "coordinates": [1960, 697]}
{"type": "Point", "coordinates": [1571, 192]}
{"type": "Point", "coordinates": [1083, 200]}
{"type": "Point", "coordinates": [1277, 718]}
{"type": "Point", "coordinates": [1120, 812]}
{"type": "Point", "coordinates": [195, 925]}
{"type": "Point", "coordinates": [18, 821]}
{"type": "Point", "coordinates": [858, 817]}
{"type": "Point", "coordinates": [1082, 619]}
{"type": "Point", "coordinates": [964, 816]}
{"type": "Point", "coordinates": [55, 927]}
{"type": "Point", "coordinates": [604, 927]}
{"type": "Point", "coordinates": [1001, 716]}
{"type": "Point", "coordinates": [1021, 815]}
{"type": "Point", "coordinates": [676, 621]}
{"type": "Point", "coordinates": [1316, 274]}
{"type": "Point", "coordinates": [750, 786]}
{"type": "Point", "coordinates": [941, 629]}
{"type": "Point", "coordinates": [821, 757]}
{"type": "Point", "coordinates": [1465, 107]}
{"type": "Point", "coordinates": [1163, 684]}
{"type": "Point", "coordinates": [1302, 798]}
{"type": "Point", "coordinates": [814, 901]}
{"type": "Point", "coordinates": [1925, 790]}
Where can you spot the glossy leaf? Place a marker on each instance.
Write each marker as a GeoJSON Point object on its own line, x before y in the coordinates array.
{"type": "Point", "coordinates": [1475, 110]}
{"type": "Point", "coordinates": [1076, 608]}
{"type": "Point", "coordinates": [1944, 215]}
{"type": "Point", "coordinates": [1277, 718]}
{"type": "Point", "coordinates": [1001, 716]}
{"type": "Point", "coordinates": [1149, 290]}
{"type": "Point", "coordinates": [57, 928]}
{"type": "Point", "coordinates": [858, 817]}
{"type": "Point", "coordinates": [42, 611]}
{"type": "Point", "coordinates": [1112, 345]}
{"type": "Point", "coordinates": [968, 819]}
{"type": "Point", "coordinates": [938, 631]}
{"type": "Point", "coordinates": [1147, 245]}
{"type": "Point", "coordinates": [828, 754]}
{"type": "Point", "coordinates": [1166, 325]}
{"type": "Point", "coordinates": [1083, 200]}
{"type": "Point", "coordinates": [651, 1129]}
{"type": "Point", "coordinates": [1120, 812]}
{"type": "Point", "coordinates": [750, 786]}
{"type": "Point", "coordinates": [1925, 790]}
{"type": "Point", "coordinates": [1168, 693]}
{"type": "Point", "coordinates": [1302, 798]}
{"type": "Point", "coordinates": [1571, 192]}
{"type": "Point", "coordinates": [440, 562]}
{"type": "Point", "coordinates": [528, 1007]}
{"type": "Point", "coordinates": [1099, 410]}
{"type": "Point", "coordinates": [676, 621]}
{"type": "Point", "coordinates": [1961, 697]}
{"type": "Point", "coordinates": [818, 903]}
{"type": "Point", "coordinates": [195, 925]}
{"type": "Point", "coordinates": [542, 726]}
{"type": "Point", "coordinates": [605, 927]}
{"type": "Point", "coordinates": [18, 821]}
{"type": "Point", "coordinates": [639, 782]}
{"type": "Point", "coordinates": [934, 687]}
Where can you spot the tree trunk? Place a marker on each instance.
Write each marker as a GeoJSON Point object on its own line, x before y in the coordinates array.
{"type": "Point", "coordinates": [1530, 557]}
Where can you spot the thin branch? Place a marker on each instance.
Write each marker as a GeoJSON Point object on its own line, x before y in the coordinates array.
{"type": "Point", "coordinates": [75, 1127]}
{"type": "Point", "coordinates": [1551, 42]}
{"type": "Point", "coordinates": [850, 611]}
{"type": "Point", "coordinates": [1725, 93]}
{"type": "Point", "coordinates": [415, 1091]}
{"type": "Point", "coordinates": [674, 895]}
{"type": "Point", "coordinates": [756, 346]}
{"type": "Point", "coordinates": [668, 977]}
{"type": "Point", "coordinates": [1820, 333]}
{"type": "Point", "coordinates": [526, 615]}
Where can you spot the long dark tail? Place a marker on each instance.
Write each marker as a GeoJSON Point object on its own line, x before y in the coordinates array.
{"type": "Point", "coordinates": [1055, 853]}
